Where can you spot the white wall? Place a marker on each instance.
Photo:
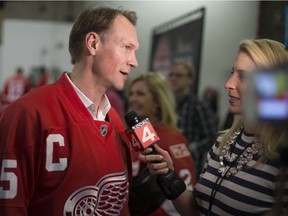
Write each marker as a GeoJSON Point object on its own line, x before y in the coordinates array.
{"type": "Point", "coordinates": [29, 43]}
{"type": "Point", "coordinates": [226, 24]}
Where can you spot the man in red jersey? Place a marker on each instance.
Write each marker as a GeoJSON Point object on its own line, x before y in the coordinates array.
{"type": "Point", "coordinates": [14, 87]}
{"type": "Point", "coordinates": [60, 150]}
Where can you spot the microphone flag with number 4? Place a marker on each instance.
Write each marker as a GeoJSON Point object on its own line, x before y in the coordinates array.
{"type": "Point", "coordinates": [142, 135]}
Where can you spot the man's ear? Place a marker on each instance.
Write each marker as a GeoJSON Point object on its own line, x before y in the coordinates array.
{"type": "Point", "coordinates": [92, 40]}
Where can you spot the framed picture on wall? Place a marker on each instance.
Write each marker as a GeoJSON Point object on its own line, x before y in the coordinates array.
{"type": "Point", "coordinates": [180, 38]}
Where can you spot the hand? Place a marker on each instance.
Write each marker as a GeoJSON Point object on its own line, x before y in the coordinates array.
{"type": "Point", "coordinates": [164, 161]}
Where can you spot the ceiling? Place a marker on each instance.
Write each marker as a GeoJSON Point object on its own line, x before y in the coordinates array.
{"type": "Point", "coordinates": [41, 10]}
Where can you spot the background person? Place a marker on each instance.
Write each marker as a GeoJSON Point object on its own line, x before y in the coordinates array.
{"type": "Point", "coordinates": [244, 167]}
{"type": "Point", "coordinates": [60, 150]}
{"type": "Point", "coordinates": [196, 119]}
{"type": "Point", "coordinates": [210, 96]}
{"type": "Point", "coordinates": [14, 87]}
{"type": "Point", "coordinates": [43, 77]}
{"type": "Point", "coordinates": [150, 97]}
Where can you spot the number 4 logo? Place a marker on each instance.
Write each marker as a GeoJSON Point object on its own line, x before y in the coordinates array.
{"type": "Point", "coordinates": [142, 136]}
{"type": "Point", "coordinates": [147, 135]}
{"type": "Point", "coordinates": [135, 142]}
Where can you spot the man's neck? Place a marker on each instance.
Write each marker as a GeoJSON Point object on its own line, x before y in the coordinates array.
{"type": "Point", "coordinates": [85, 82]}
{"type": "Point", "coordinates": [180, 95]}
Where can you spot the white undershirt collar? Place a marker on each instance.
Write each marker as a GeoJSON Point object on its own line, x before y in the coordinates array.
{"type": "Point", "coordinates": [104, 105]}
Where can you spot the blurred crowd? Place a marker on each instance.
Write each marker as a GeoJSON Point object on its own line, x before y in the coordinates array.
{"type": "Point", "coordinates": [19, 84]}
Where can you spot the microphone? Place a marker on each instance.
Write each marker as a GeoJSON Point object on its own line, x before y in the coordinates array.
{"type": "Point", "coordinates": [141, 134]}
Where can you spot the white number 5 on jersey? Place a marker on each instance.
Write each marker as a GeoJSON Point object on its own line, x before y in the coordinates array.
{"type": "Point", "coordinates": [10, 177]}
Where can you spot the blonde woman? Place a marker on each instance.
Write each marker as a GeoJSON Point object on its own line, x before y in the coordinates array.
{"type": "Point", "coordinates": [150, 97]}
{"type": "Point", "coordinates": [243, 167]}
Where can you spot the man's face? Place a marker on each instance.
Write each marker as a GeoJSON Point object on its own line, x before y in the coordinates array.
{"type": "Point", "coordinates": [116, 54]}
{"type": "Point", "coordinates": [179, 79]}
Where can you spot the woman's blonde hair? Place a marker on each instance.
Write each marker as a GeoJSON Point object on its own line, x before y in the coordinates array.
{"type": "Point", "coordinates": [162, 95]}
{"type": "Point", "coordinates": [266, 54]}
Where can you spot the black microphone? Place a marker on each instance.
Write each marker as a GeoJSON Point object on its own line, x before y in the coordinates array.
{"type": "Point", "coordinates": [142, 135]}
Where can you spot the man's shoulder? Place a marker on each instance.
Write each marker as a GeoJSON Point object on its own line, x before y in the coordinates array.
{"type": "Point", "coordinates": [194, 100]}
{"type": "Point", "coordinates": [38, 93]}
{"type": "Point", "coordinates": [116, 119]}
{"type": "Point", "coordinates": [32, 99]}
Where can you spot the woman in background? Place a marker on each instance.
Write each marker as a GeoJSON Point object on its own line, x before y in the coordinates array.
{"type": "Point", "coordinates": [150, 97]}
{"type": "Point", "coordinates": [244, 167]}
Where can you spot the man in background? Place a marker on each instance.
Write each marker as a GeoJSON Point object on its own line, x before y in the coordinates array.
{"type": "Point", "coordinates": [196, 119]}
{"type": "Point", "coordinates": [43, 77]}
{"type": "Point", "coordinates": [14, 87]}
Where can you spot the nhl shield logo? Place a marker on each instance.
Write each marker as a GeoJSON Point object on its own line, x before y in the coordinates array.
{"type": "Point", "coordinates": [103, 130]}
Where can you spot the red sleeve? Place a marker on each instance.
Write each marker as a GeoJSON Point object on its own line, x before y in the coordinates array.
{"type": "Point", "coordinates": [17, 163]}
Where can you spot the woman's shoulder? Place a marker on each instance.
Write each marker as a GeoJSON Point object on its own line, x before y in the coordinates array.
{"type": "Point", "coordinates": [169, 135]}
{"type": "Point", "coordinates": [167, 130]}
{"type": "Point", "coordinates": [221, 133]}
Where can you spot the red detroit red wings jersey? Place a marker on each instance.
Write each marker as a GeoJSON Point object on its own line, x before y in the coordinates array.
{"type": "Point", "coordinates": [58, 160]}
